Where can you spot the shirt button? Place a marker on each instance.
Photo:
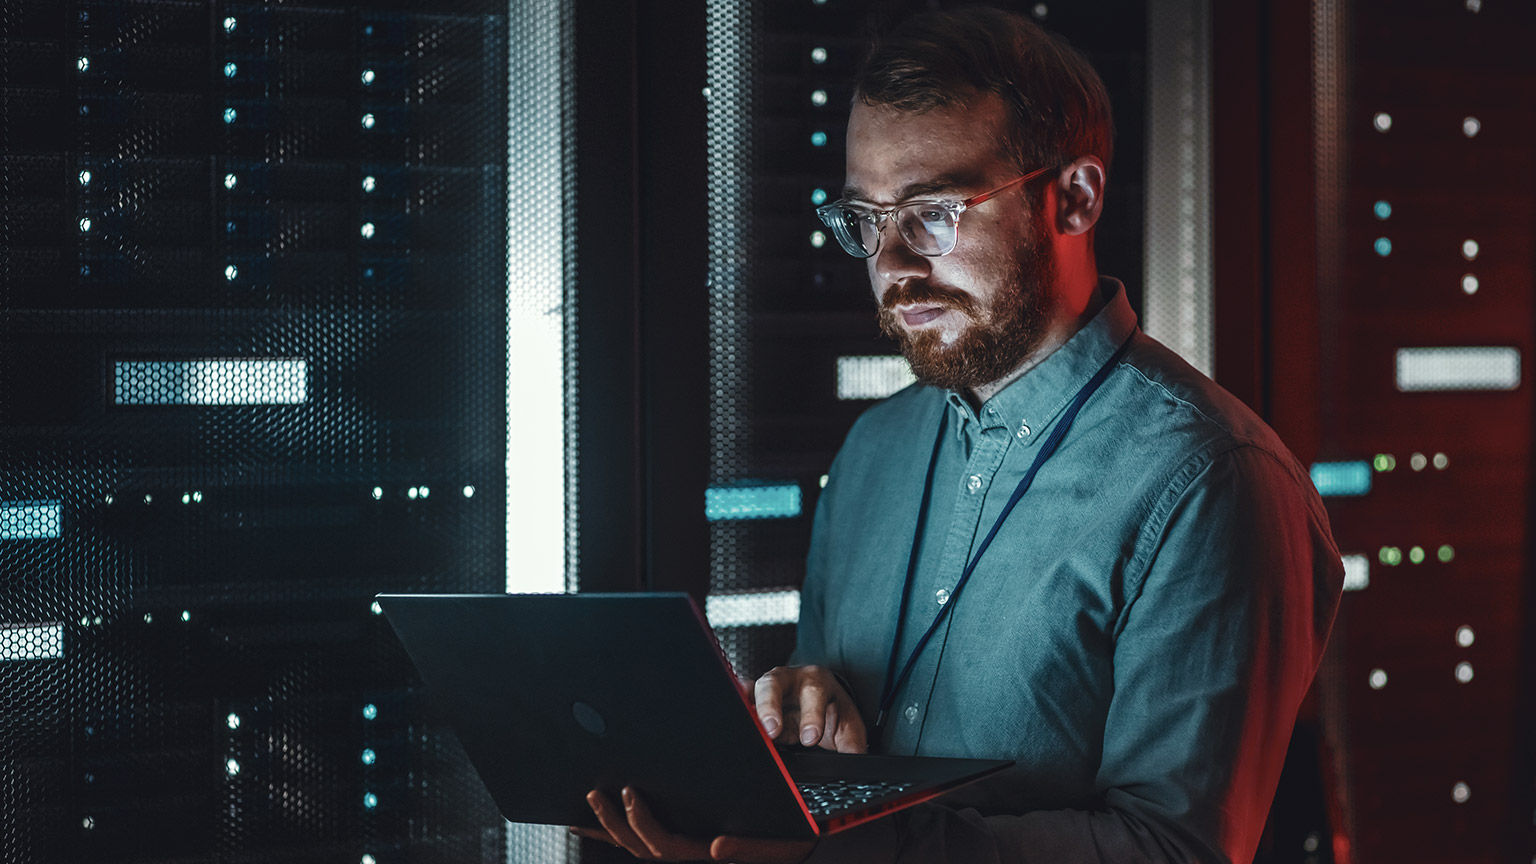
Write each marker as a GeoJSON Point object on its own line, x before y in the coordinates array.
{"type": "Point", "coordinates": [911, 713]}
{"type": "Point", "coordinates": [1024, 430]}
{"type": "Point", "coordinates": [941, 595]}
{"type": "Point", "coordinates": [974, 484]}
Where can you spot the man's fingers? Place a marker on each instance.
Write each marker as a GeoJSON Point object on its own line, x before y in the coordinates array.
{"type": "Point", "coordinates": [849, 737]}
{"type": "Point", "coordinates": [813, 710]}
{"type": "Point", "coordinates": [593, 834]}
{"type": "Point", "coordinates": [614, 822]}
{"type": "Point", "coordinates": [829, 730]}
{"type": "Point", "coordinates": [769, 694]}
{"type": "Point", "coordinates": [662, 843]}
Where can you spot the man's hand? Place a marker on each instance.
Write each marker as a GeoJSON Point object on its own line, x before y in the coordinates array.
{"type": "Point", "coordinates": [809, 701]}
{"type": "Point", "coordinates": [635, 828]}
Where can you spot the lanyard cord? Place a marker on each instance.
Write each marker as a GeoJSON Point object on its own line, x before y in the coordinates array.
{"type": "Point", "coordinates": [893, 685]}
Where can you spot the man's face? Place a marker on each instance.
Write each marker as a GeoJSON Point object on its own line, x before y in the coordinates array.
{"type": "Point", "coordinates": [971, 317]}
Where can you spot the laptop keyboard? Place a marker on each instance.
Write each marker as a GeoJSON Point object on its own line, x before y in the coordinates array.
{"type": "Point", "coordinates": [831, 796]}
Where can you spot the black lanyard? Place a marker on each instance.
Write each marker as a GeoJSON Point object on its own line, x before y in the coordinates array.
{"type": "Point", "coordinates": [893, 681]}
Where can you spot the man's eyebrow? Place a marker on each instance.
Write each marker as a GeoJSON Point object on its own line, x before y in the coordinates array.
{"type": "Point", "coordinates": [945, 183]}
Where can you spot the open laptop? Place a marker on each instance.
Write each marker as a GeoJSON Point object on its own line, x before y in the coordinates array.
{"type": "Point", "coordinates": [553, 695]}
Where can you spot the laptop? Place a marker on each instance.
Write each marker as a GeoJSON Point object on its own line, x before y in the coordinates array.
{"type": "Point", "coordinates": [553, 695]}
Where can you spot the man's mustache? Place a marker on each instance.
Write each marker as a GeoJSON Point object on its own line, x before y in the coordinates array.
{"type": "Point", "coordinates": [925, 294]}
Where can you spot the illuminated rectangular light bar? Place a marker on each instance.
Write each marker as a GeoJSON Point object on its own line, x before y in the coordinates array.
{"type": "Point", "coordinates": [723, 503]}
{"type": "Point", "coordinates": [1341, 478]}
{"type": "Point", "coordinates": [752, 610]}
{"type": "Point", "coordinates": [872, 377]}
{"type": "Point", "coordinates": [31, 520]}
{"type": "Point", "coordinates": [274, 381]}
{"type": "Point", "coordinates": [1357, 572]}
{"type": "Point", "coordinates": [1425, 369]}
{"type": "Point", "coordinates": [31, 641]}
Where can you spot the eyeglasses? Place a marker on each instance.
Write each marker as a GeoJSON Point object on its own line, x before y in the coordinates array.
{"type": "Point", "coordinates": [929, 228]}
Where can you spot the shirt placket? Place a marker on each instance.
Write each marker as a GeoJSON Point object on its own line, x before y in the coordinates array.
{"type": "Point", "coordinates": [985, 442]}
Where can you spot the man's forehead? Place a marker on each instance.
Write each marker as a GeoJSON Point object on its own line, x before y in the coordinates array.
{"type": "Point", "coordinates": [895, 155]}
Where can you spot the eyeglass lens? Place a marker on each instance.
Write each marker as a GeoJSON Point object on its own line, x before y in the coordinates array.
{"type": "Point", "coordinates": [928, 229]}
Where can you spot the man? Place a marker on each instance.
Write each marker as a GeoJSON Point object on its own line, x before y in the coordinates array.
{"type": "Point", "coordinates": [1141, 629]}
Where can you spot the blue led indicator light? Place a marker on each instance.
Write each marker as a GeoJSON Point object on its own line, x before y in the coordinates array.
{"type": "Point", "coordinates": [818, 196]}
{"type": "Point", "coordinates": [370, 800]}
{"type": "Point", "coordinates": [1382, 209]}
{"type": "Point", "coordinates": [1383, 246]}
{"type": "Point", "coordinates": [1339, 479]}
{"type": "Point", "coordinates": [370, 711]}
{"type": "Point", "coordinates": [230, 69]}
{"type": "Point", "coordinates": [369, 757]}
{"type": "Point", "coordinates": [722, 503]}
{"type": "Point", "coordinates": [818, 139]}
{"type": "Point", "coordinates": [229, 115]}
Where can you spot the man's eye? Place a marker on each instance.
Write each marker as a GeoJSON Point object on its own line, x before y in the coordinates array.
{"type": "Point", "coordinates": [932, 214]}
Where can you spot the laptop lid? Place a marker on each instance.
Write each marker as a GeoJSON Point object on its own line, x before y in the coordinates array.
{"type": "Point", "coordinates": [553, 695]}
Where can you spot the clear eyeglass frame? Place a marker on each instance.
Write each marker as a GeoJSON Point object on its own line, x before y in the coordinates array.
{"type": "Point", "coordinates": [930, 228]}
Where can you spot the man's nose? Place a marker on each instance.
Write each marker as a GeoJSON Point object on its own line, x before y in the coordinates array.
{"type": "Point", "coordinates": [895, 261]}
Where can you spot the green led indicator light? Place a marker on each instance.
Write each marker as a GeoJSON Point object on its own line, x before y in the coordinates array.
{"type": "Point", "coordinates": [1416, 554]}
{"type": "Point", "coordinates": [1384, 462]}
{"type": "Point", "coordinates": [1446, 554]}
{"type": "Point", "coordinates": [1391, 556]}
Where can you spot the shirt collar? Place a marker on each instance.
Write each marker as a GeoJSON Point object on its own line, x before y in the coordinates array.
{"type": "Point", "coordinates": [1029, 404]}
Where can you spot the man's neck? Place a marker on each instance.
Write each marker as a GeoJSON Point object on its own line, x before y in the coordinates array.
{"type": "Point", "coordinates": [1061, 329]}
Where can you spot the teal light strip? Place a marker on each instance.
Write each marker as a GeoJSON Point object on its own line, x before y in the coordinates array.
{"type": "Point", "coordinates": [1338, 479]}
{"type": "Point", "coordinates": [751, 502]}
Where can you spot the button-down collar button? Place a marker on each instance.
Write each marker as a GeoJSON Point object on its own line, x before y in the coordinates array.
{"type": "Point", "coordinates": [1023, 430]}
{"type": "Point", "coordinates": [941, 595]}
{"type": "Point", "coordinates": [974, 484]}
{"type": "Point", "coordinates": [911, 713]}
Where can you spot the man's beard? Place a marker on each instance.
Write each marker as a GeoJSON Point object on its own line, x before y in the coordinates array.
{"type": "Point", "coordinates": [998, 338]}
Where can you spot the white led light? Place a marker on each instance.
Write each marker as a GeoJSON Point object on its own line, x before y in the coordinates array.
{"type": "Point", "coordinates": [1464, 636]}
{"type": "Point", "coordinates": [368, 121]}
{"type": "Point", "coordinates": [818, 239]}
{"type": "Point", "coordinates": [1475, 6]}
{"type": "Point", "coordinates": [469, 491]}
{"type": "Point", "coordinates": [85, 225]}
{"type": "Point", "coordinates": [1460, 793]}
{"type": "Point", "coordinates": [1441, 461]}
{"type": "Point", "coordinates": [232, 767]}
{"type": "Point", "coordinates": [1469, 249]}
{"type": "Point", "coordinates": [232, 721]}
{"type": "Point", "coordinates": [31, 641]}
{"type": "Point", "coordinates": [84, 177]}
{"type": "Point", "coordinates": [823, 481]}
{"type": "Point", "coordinates": [1378, 679]}
{"type": "Point", "coordinates": [1040, 11]}
{"type": "Point", "coordinates": [1382, 121]}
{"type": "Point", "coordinates": [368, 76]}
{"type": "Point", "coordinates": [186, 498]}
{"type": "Point", "coordinates": [369, 183]}
{"type": "Point", "coordinates": [1418, 461]}
{"type": "Point", "coordinates": [1357, 572]}
{"type": "Point", "coordinates": [367, 859]}
{"type": "Point", "coordinates": [378, 492]}
{"type": "Point", "coordinates": [230, 272]}
{"type": "Point", "coordinates": [230, 180]}
{"type": "Point", "coordinates": [1470, 127]}
{"type": "Point", "coordinates": [1469, 284]}
{"type": "Point", "coordinates": [1470, 368]}
{"type": "Point", "coordinates": [197, 497]}
{"type": "Point", "coordinates": [88, 823]}
{"type": "Point", "coordinates": [375, 608]}
{"type": "Point", "coordinates": [425, 491]}
{"type": "Point", "coordinates": [278, 381]}
{"type": "Point", "coordinates": [754, 609]}
{"type": "Point", "coordinates": [818, 97]}
{"type": "Point", "coordinates": [411, 493]}
{"type": "Point", "coordinates": [83, 64]}
{"type": "Point", "coordinates": [366, 230]}
{"type": "Point", "coordinates": [1464, 672]}
{"type": "Point", "coordinates": [186, 615]}
{"type": "Point", "coordinates": [229, 25]}
{"type": "Point", "coordinates": [872, 377]}
{"type": "Point", "coordinates": [818, 55]}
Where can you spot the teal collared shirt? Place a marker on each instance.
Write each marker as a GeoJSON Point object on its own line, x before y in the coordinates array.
{"type": "Point", "coordinates": [1138, 637]}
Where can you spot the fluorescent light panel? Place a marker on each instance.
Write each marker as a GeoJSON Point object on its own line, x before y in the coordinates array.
{"type": "Point", "coordinates": [1341, 478]}
{"type": "Point", "coordinates": [211, 382]}
{"type": "Point", "coordinates": [872, 377]}
{"type": "Point", "coordinates": [1357, 572]}
{"type": "Point", "coordinates": [723, 503]}
{"type": "Point", "coordinates": [752, 610]}
{"type": "Point", "coordinates": [31, 641]}
{"type": "Point", "coordinates": [1425, 369]}
{"type": "Point", "coordinates": [31, 520]}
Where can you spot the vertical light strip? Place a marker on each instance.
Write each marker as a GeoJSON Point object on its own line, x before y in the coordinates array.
{"type": "Point", "coordinates": [728, 117]}
{"type": "Point", "coordinates": [537, 314]}
{"type": "Point", "coordinates": [1177, 304]}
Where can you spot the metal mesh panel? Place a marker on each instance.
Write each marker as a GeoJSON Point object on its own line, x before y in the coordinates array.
{"type": "Point", "coordinates": [253, 354]}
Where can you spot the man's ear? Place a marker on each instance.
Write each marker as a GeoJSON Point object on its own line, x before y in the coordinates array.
{"type": "Point", "coordinates": [1080, 195]}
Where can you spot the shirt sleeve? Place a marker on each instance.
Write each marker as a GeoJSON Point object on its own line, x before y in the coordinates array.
{"type": "Point", "coordinates": [1230, 595]}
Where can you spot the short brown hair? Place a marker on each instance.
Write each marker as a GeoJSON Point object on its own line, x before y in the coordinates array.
{"type": "Point", "coordinates": [1057, 103]}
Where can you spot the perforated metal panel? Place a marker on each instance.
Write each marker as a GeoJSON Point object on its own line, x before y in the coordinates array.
{"type": "Point", "coordinates": [252, 358]}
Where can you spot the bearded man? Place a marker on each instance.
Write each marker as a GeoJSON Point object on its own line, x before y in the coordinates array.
{"type": "Point", "coordinates": [1063, 546]}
